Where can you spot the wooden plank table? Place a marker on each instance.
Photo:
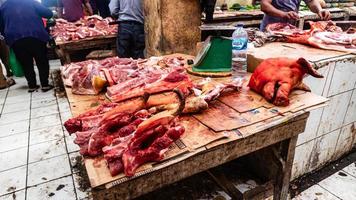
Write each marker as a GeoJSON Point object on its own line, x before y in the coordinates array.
{"type": "Point", "coordinates": [235, 125]}
{"type": "Point", "coordinates": [65, 50]}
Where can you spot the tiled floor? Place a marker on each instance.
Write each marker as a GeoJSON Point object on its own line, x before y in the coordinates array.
{"type": "Point", "coordinates": [341, 185]}
{"type": "Point", "coordinates": [35, 151]}
{"type": "Point", "coordinates": [38, 157]}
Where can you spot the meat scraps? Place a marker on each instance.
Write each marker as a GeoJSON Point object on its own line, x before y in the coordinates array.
{"type": "Point", "coordinates": [123, 75]}
{"type": "Point", "coordinates": [87, 27]}
{"type": "Point", "coordinates": [323, 35]}
{"type": "Point", "coordinates": [275, 78]}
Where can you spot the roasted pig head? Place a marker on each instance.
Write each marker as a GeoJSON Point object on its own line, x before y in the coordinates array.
{"type": "Point", "coordinates": [275, 78]}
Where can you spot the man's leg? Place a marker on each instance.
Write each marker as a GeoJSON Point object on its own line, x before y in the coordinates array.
{"type": "Point", "coordinates": [40, 55]}
{"type": "Point", "coordinates": [26, 60]}
{"type": "Point", "coordinates": [4, 56]}
{"type": "Point", "coordinates": [139, 41]}
{"type": "Point", "coordinates": [124, 40]}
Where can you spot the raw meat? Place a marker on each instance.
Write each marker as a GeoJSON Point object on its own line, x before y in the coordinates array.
{"type": "Point", "coordinates": [87, 27]}
{"type": "Point", "coordinates": [88, 80]}
{"type": "Point", "coordinates": [150, 141]}
{"type": "Point", "coordinates": [275, 78]}
{"type": "Point", "coordinates": [154, 83]}
{"type": "Point", "coordinates": [323, 35]}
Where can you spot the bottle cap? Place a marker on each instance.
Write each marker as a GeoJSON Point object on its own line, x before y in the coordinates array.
{"type": "Point", "coordinates": [239, 25]}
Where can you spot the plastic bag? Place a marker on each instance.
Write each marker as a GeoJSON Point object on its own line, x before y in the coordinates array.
{"type": "Point", "coordinates": [16, 67]}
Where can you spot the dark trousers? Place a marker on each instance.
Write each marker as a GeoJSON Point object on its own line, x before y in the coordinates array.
{"type": "Point", "coordinates": [27, 50]}
{"type": "Point", "coordinates": [103, 8]}
{"type": "Point", "coordinates": [131, 40]}
{"type": "Point", "coordinates": [4, 56]}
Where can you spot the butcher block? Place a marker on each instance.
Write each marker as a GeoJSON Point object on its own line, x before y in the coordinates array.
{"type": "Point", "coordinates": [236, 124]}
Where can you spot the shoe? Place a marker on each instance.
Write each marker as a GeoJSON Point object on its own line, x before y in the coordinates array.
{"type": "Point", "coordinates": [10, 82]}
{"type": "Point", "coordinates": [47, 88]}
{"type": "Point", "coordinates": [10, 74]}
{"type": "Point", "coordinates": [30, 90]}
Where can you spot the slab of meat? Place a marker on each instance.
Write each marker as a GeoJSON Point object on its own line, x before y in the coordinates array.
{"type": "Point", "coordinates": [323, 35]}
{"type": "Point", "coordinates": [88, 80]}
{"type": "Point", "coordinates": [87, 27]}
{"type": "Point", "coordinates": [76, 124]}
{"type": "Point", "coordinates": [150, 141]}
{"type": "Point", "coordinates": [155, 83]}
{"type": "Point", "coordinates": [275, 78]}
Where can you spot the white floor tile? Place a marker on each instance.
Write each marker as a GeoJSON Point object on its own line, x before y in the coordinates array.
{"type": "Point", "coordinates": [340, 185]}
{"type": "Point", "coordinates": [9, 108]}
{"type": "Point", "coordinates": [65, 116]}
{"type": "Point", "coordinates": [14, 117]}
{"type": "Point", "coordinates": [64, 107]}
{"type": "Point", "coordinates": [47, 170]}
{"type": "Point", "coordinates": [61, 189]}
{"type": "Point", "coordinates": [13, 128]}
{"type": "Point", "coordinates": [43, 111]}
{"type": "Point", "coordinates": [19, 195]}
{"type": "Point", "coordinates": [15, 99]}
{"type": "Point", "coordinates": [45, 121]}
{"type": "Point", "coordinates": [43, 102]}
{"type": "Point", "coordinates": [43, 95]}
{"type": "Point", "coordinates": [70, 144]}
{"type": "Point", "coordinates": [351, 169]}
{"type": "Point", "coordinates": [46, 134]}
{"type": "Point", "coordinates": [12, 159]}
{"type": "Point", "coordinates": [46, 150]}
{"type": "Point", "coordinates": [18, 93]}
{"type": "Point", "coordinates": [315, 193]}
{"type": "Point", "coordinates": [82, 193]}
{"type": "Point", "coordinates": [12, 180]}
{"type": "Point", "coordinates": [13, 142]}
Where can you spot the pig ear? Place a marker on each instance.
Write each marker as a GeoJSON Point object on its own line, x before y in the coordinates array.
{"type": "Point", "coordinates": [309, 68]}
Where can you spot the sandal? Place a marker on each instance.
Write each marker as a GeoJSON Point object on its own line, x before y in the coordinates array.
{"type": "Point", "coordinates": [47, 88]}
{"type": "Point", "coordinates": [10, 82]}
{"type": "Point", "coordinates": [30, 90]}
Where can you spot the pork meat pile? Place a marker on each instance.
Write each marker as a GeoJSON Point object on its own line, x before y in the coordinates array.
{"type": "Point", "coordinates": [89, 26]}
{"type": "Point", "coordinates": [322, 35]}
{"type": "Point", "coordinates": [126, 134]}
{"type": "Point", "coordinates": [125, 75]}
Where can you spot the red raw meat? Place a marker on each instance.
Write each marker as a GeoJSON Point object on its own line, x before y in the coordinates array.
{"type": "Point", "coordinates": [153, 84]}
{"type": "Point", "coordinates": [87, 27]}
{"type": "Point", "coordinates": [275, 78]}
{"type": "Point", "coordinates": [149, 146]}
{"type": "Point", "coordinates": [323, 35]}
{"type": "Point", "coordinates": [84, 80]}
{"type": "Point", "coordinates": [75, 124]}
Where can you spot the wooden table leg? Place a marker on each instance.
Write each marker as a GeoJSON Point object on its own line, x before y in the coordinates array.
{"type": "Point", "coordinates": [283, 178]}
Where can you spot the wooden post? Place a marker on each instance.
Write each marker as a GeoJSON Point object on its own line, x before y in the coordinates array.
{"type": "Point", "coordinates": [171, 26]}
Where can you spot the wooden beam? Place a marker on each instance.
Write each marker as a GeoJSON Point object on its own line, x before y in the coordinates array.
{"type": "Point", "coordinates": [171, 26]}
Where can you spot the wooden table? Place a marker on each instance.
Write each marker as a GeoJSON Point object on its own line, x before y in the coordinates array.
{"type": "Point", "coordinates": [235, 125]}
{"type": "Point", "coordinates": [65, 50]}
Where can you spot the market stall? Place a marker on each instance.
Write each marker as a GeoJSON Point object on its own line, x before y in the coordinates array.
{"type": "Point", "coordinates": [235, 125]}
{"type": "Point", "coordinates": [93, 34]}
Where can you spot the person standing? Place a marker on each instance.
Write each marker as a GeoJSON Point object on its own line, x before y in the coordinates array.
{"type": "Point", "coordinates": [103, 8]}
{"type": "Point", "coordinates": [27, 36]}
{"type": "Point", "coordinates": [73, 10]}
{"type": "Point", "coordinates": [286, 11]}
{"type": "Point", "coordinates": [131, 34]}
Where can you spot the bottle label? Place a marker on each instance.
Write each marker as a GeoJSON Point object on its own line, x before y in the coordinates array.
{"type": "Point", "coordinates": [239, 44]}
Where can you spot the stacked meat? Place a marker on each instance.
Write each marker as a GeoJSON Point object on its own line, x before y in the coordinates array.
{"type": "Point", "coordinates": [127, 134]}
{"type": "Point", "coordinates": [323, 35]}
{"type": "Point", "coordinates": [122, 75]}
{"type": "Point", "coordinates": [140, 122]}
{"type": "Point", "coordinates": [89, 26]}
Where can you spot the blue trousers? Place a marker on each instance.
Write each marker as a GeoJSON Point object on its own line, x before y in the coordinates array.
{"type": "Point", "coordinates": [131, 40]}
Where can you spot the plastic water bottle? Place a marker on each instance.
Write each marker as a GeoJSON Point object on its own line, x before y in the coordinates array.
{"type": "Point", "coordinates": [239, 52]}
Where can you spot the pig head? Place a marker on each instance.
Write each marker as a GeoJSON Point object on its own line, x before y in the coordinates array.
{"type": "Point", "coordinates": [275, 78]}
